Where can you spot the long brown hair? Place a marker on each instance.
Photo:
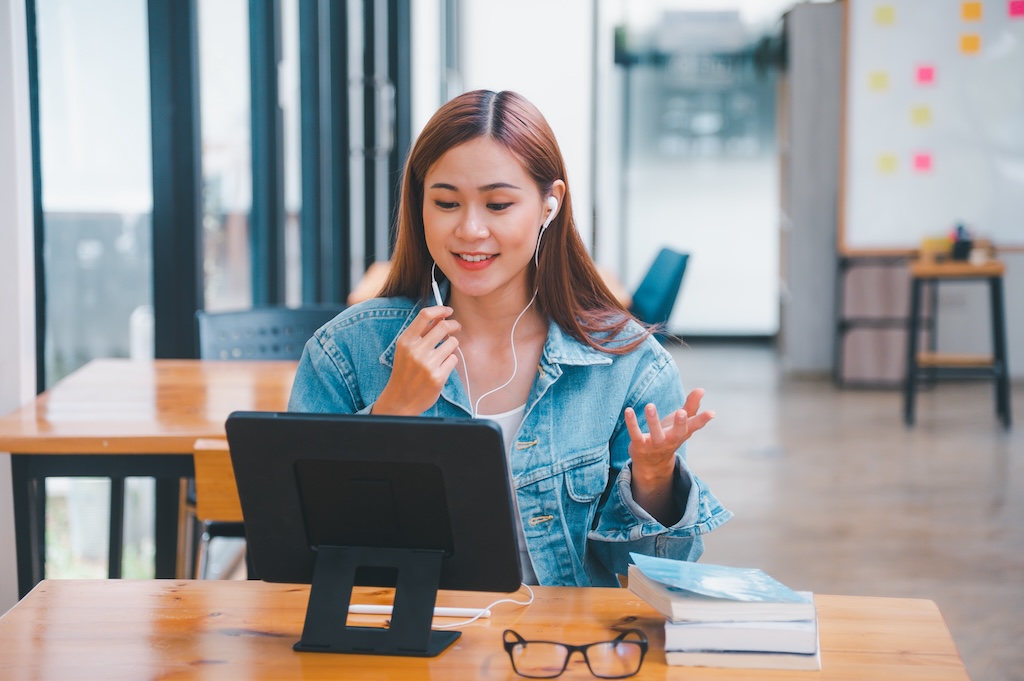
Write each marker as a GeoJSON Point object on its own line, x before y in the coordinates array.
{"type": "Point", "coordinates": [570, 289]}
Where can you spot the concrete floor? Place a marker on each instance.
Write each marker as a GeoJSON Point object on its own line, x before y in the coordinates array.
{"type": "Point", "coordinates": [833, 494]}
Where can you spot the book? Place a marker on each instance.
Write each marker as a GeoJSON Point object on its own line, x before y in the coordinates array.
{"type": "Point", "coordinates": [796, 636]}
{"type": "Point", "coordinates": [680, 605]}
{"type": "Point", "coordinates": [743, 660]}
{"type": "Point", "coordinates": [735, 583]}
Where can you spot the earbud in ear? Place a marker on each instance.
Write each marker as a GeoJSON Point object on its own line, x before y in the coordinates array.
{"type": "Point", "coordinates": [552, 204]}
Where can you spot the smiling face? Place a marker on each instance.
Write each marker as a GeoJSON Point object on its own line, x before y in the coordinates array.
{"type": "Point", "coordinates": [481, 216]}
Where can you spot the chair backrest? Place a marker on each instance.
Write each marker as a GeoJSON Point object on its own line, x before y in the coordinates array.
{"type": "Point", "coordinates": [260, 333]}
{"type": "Point", "coordinates": [656, 296]}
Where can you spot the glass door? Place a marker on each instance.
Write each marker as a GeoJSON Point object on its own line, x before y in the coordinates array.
{"type": "Point", "coordinates": [691, 101]}
{"type": "Point", "coordinates": [226, 153]}
{"type": "Point", "coordinates": [97, 199]}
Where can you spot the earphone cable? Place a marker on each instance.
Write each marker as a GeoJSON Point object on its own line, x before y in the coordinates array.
{"type": "Point", "coordinates": [515, 363]}
{"type": "Point", "coordinates": [512, 336]}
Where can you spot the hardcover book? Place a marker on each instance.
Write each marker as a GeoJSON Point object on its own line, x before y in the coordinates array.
{"type": "Point", "coordinates": [796, 636]}
{"type": "Point", "coordinates": [680, 605]}
{"type": "Point", "coordinates": [743, 660]}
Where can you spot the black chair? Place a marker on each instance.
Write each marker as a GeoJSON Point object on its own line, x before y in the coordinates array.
{"type": "Point", "coordinates": [263, 333]}
{"type": "Point", "coordinates": [260, 333]}
{"type": "Point", "coordinates": [656, 295]}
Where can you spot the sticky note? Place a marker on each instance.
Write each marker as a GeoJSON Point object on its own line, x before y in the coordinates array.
{"type": "Point", "coordinates": [921, 115]}
{"type": "Point", "coordinates": [970, 43]}
{"type": "Point", "coordinates": [925, 75]}
{"type": "Point", "coordinates": [878, 81]}
{"type": "Point", "coordinates": [970, 11]}
{"type": "Point", "coordinates": [887, 164]}
{"type": "Point", "coordinates": [1016, 8]}
{"type": "Point", "coordinates": [922, 162]}
{"type": "Point", "coordinates": [885, 15]}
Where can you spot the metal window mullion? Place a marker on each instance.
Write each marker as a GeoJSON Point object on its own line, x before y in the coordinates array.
{"type": "Point", "coordinates": [370, 131]}
{"type": "Point", "coordinates": [267, 218]}
{"type": "Point", "coordinates": [39, 233]}
{"type": "Point", "coordinates": [400, 75]}
{"type": "Point", "coordinates": [313, 290]}
{"type": "Point", "coordinates": [177, 198]}
{"type": "Point", "coordinates": [337, 225]}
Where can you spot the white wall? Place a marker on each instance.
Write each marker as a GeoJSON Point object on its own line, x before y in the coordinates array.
{"type": "Point", "coordinates": [17, 300]}
{"type": "Point", "coordinates": [543, 50]}
{"type": "Point", "coordinates": [426, 62]}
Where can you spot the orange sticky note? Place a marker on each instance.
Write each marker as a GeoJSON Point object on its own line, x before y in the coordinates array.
{"type": "Point", "coordinates": [885, 15]}
{"type": "Point", "coordinates": [887, 164]}
{"type": "Point", "coordinates": [970, 11]}
{"type": "Point", "coordinates": [878, 81]}
{"type": "Point", "coordinates": [970, 43]}
{"type": "Point", "coordinates": [921, 115]}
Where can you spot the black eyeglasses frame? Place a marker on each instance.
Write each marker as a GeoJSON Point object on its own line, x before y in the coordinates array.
{"type": "Point", "coordinates": [582, 649]}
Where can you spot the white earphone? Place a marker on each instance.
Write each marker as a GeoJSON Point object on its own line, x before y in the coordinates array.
{"type": "Point", "coordinates": [552, 208]}
{"type": "Point", "coordinates": [552, 204]}
{"type": "Point", "coordinates": [433, 285]}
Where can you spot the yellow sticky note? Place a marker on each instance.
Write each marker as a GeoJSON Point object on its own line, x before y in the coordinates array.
{"type": "Point", "coordinates": [970, 11]}
{"type": "Point", "coordinates": [885, 15]}
{"type": "Point", "coordinates": [921, 115]}
{"type": "Point", "coordinates": [878, 81]}
{"type": "Point", "coordinates": [887, 164]}
{"type": "Point", "coordinates": [970, 43]}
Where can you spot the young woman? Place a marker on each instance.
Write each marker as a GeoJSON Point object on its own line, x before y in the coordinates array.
{"type": "Point", "coordinates": [494, 309]}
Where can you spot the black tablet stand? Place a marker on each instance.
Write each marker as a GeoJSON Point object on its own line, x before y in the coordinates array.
{"type": "Point", "coordinates": [410, 633]}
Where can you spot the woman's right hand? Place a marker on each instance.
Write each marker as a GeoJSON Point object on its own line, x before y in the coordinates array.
{"type": "Point", "coordinates": [424, 358]}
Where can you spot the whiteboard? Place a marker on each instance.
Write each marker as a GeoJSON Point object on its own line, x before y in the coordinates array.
{"type": "Point", "coordinates": [933, 123]}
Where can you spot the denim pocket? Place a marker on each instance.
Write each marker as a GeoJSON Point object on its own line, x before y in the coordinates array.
{"type": "Point", "coordinates": [588, 477]}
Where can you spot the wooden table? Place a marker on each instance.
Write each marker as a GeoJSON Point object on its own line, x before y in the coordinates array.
{"type": "Point", "coordinates": [118, 418]}
{"type": "Point", "coordinates": [111, 630]}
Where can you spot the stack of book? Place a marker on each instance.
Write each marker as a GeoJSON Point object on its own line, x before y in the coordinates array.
{"type": "Point", "coordinates": [719, 616]}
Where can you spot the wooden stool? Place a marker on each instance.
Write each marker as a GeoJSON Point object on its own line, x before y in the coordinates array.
{"type": "Point", "coordinates": [937, 365]}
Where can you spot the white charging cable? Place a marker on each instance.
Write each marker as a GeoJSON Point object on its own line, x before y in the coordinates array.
{"type": "Point", "coordinates": [488, 609]}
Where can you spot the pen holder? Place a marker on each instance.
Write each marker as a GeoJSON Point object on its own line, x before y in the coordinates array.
{"type": "Point", "coordinates": [962, 249]}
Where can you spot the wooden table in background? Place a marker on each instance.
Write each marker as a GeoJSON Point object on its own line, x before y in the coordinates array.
{"type": "Point", "coordinates": [118, 418]}
{"type": "Point", "coordinates": [113, 630]}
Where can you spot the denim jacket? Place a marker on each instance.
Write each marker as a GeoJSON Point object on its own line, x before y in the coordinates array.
{"type": "Point", "coordinates": [569, 461]}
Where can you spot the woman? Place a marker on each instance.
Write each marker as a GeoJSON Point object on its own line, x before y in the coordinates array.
{"type": "Point", "coordinates": [494, 309]}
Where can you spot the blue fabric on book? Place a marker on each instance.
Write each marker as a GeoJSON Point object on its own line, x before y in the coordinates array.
{"type": "Point", "coordinates": [720, 581]}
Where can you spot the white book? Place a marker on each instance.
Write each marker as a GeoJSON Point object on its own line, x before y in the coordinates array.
{"type": "Point", "coordinates": [741, 660]}
{"type": "Point", "coordinates": [797, 636]}
{"type": "Point", "coordinates": [679, 605]}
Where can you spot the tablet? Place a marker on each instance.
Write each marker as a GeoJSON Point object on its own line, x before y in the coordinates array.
{"type": "Point", "coordinates": [375, 500]}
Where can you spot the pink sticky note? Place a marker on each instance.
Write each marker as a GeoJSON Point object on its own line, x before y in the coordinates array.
{"type": "Point", "coordinates": [925, 75]}
{"type": "Point", "coordinates": [922, 162]}
{"type": "Point", "coordinates": [1016, 8]}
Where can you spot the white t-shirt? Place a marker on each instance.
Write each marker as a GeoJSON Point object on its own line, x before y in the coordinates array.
{"type": "Point", "coordinates": [510, 422]}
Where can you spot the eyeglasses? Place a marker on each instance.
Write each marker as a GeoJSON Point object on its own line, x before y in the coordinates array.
{"type": "Point", "coordinates": [615, 659]}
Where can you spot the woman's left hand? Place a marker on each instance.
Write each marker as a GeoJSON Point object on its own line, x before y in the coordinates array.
{"type": "Point", "coordinates": [654, 453]}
